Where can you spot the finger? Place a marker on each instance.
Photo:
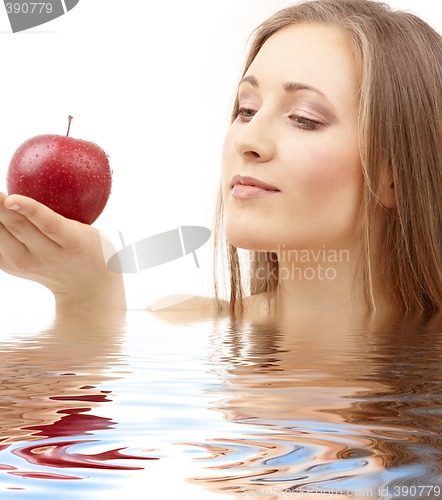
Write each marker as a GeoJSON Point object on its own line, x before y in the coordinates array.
{"type": "Point", "coordinates": [9, 244]}
{"type": "Point", "coordinates": [13, 253]}
{"type": "Point", "coordinates": [54, 226]}
{"type": "Point", "coordinates": [23, 231]}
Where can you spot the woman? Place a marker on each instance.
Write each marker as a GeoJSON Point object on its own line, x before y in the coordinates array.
{"type": "Point", "coordinates": [331, 175]}
{"type": "Point", "coordinates": [395, 243]}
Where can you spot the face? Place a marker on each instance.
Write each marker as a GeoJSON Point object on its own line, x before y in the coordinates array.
{"type": "Point", "coordinates": [292, 175]}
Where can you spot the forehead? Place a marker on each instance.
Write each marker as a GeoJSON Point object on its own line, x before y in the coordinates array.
{"type": "Point", "coordinates": [314, 54]}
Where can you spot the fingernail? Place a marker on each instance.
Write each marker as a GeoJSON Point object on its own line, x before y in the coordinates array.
{"type": "Point", "coordinates": [14, 207]}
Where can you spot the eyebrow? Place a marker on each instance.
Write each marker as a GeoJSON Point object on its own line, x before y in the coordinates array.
{"type": "Point", "coordinates": [289, 87]}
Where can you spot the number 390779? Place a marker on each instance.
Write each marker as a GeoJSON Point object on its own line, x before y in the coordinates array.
{"type": "Point", "coordinates": [29, 8]}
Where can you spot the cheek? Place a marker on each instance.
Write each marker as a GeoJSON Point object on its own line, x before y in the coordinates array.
{"type": "Point", "coordinates": [324, 174]}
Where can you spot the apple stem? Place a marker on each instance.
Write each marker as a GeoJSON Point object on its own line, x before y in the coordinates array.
{"type": "Point", "coordinates": [69, 124]}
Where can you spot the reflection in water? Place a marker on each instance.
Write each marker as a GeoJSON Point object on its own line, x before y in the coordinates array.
{"type": "Point", "coordinates": [49, 388]}
{"type": "Point", "coordinates": [339, 406]}
{"type": "Point", "coordinates": [304, 407]}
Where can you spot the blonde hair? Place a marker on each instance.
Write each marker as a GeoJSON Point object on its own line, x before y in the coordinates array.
{"type": "Point", "coordinates": [399, 58]}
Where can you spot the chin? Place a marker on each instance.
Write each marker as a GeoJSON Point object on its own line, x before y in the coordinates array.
{"type": "Point", "coordinates": [248, 239]}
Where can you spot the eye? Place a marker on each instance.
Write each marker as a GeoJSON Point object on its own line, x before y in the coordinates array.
{"type": "Point", "coordinates": [245, 114]}
{"type": "Point", "coordinates": [305, 123]}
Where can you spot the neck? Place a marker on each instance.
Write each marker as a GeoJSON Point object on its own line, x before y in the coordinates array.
{"type": "Point", "coordinates": [322, 279]}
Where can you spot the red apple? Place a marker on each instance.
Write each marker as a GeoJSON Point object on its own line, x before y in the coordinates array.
{"type": "Point", "coordinates": [70, 176]}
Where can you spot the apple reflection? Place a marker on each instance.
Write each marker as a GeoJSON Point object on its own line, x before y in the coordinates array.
{"type": "Point", "coordinates": [50, 387]}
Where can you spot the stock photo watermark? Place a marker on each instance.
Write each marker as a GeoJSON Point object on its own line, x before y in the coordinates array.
{"type": "Point", "coordinates": [24, 15]}
{"type": "Point", "coordinates": [320, 264]}
{"type": "Point", "coordinates": [159, 249]}
{"type": "Point", "coordinates": [170, 245]}
{"type": "Point", "coordinates": [381, 493]}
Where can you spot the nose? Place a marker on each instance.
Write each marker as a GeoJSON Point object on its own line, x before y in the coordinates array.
{"type": "Point", "coordinates": [253, 140]}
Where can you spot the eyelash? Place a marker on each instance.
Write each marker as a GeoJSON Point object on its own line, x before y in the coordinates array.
{"type": "Point", "coordinates": [299, 121]}
{"type": "Point", "coordinates": [305, 123]}
{"type": "Point", "coordinates": [240, 114]}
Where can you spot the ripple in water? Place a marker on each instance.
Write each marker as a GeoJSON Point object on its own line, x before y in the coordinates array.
{"type": "Point", "coordinates": [311, 407]}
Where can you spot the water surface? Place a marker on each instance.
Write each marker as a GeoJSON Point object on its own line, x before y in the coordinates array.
{"type": "Point", "coordinates": [221, 408]}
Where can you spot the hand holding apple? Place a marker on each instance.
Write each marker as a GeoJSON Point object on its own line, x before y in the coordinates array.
{"type": "Point", "coordinates": [70, 176]}
{"type": "Point", "coordinates": [64, 255]}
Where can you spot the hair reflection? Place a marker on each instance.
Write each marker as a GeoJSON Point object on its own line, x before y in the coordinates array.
{"type": "Point", "coordinates": [336, 405]}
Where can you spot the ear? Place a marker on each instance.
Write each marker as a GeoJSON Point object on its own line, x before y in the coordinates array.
{"type": "Point", "coordinates": [386, 191]}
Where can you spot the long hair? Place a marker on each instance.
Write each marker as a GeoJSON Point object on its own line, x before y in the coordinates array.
{"type": "Point", "coordinates": [399, 58]}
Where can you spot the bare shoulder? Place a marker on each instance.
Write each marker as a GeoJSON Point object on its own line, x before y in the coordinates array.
{"type": "Point", "coordinates": [188, 308]}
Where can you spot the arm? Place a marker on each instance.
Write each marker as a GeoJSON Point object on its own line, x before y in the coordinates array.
{"type": "Point", "coordinates": [64, 255]}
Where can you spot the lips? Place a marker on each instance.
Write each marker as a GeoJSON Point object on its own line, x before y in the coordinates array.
{"type": "Point", "coordinates": [248, 188]}
{"type": "Point", "coordinates": [250, 181]}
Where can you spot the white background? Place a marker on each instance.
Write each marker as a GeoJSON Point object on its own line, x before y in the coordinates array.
{"type": "Point", "coordinates": [152, 83]}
